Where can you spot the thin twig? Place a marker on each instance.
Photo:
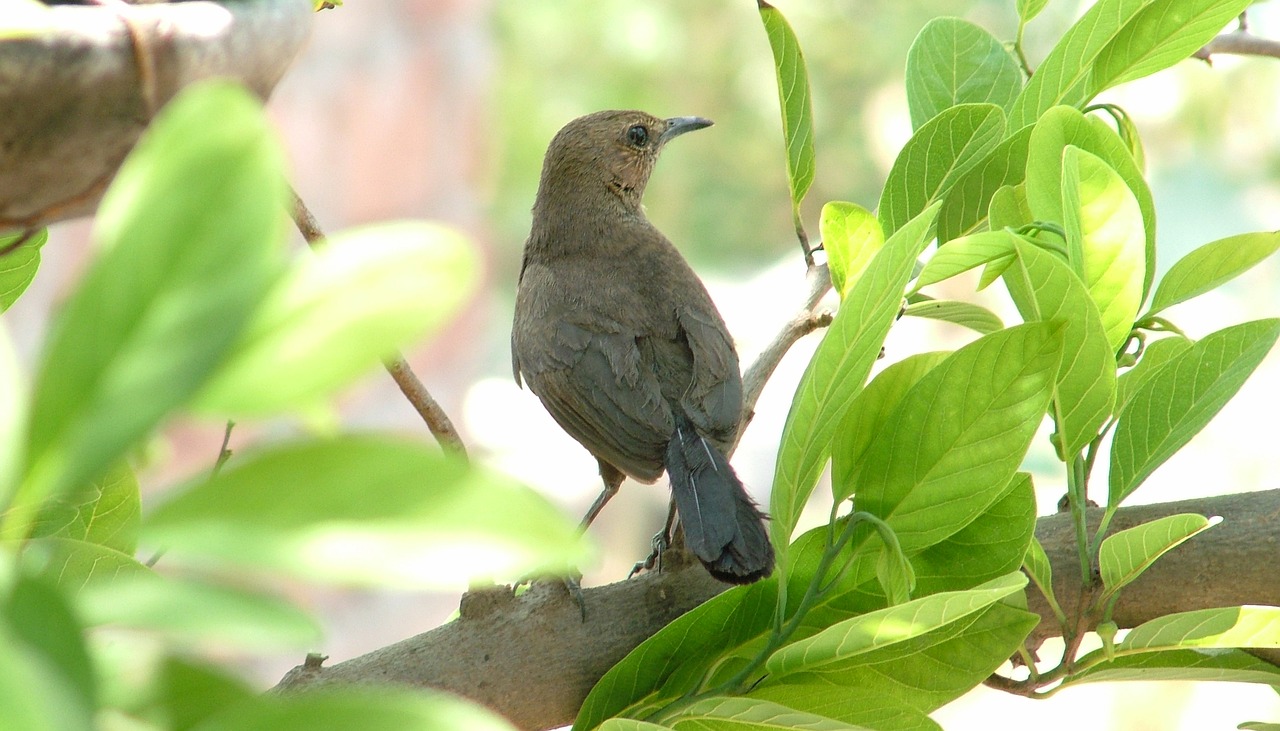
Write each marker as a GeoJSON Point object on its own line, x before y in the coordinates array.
{"type": "Point", "coordinates": [224, 453]}
{"type": "Point", "coordinates": [1239, 43]}
{"type": "Point", "coordinates": [428, 408]}
{"type": "Point", "coordinates": [805, 322]}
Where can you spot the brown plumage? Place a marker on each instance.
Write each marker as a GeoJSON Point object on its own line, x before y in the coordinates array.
{"type": "Point", "coordinates": [619, 339]}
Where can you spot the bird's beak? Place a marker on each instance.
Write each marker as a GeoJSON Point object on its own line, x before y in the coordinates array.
{"type": "Point", "coordinates": [677, 126]}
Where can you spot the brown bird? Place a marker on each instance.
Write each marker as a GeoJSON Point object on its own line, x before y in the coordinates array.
{"type": "Point", "coordinates": [618, 338]}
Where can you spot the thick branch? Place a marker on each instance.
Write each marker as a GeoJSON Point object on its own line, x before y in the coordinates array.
{"type": "Point", "coordinates": [533, 659]}
{"type": "Point", "coordinates": [419, 397]}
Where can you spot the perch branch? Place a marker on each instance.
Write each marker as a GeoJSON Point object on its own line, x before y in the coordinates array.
{"type": "Point", "coordinates": [419, 397]}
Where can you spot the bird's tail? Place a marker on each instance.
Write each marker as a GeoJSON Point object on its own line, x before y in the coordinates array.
{"type": "Point", "coordinates": [722, 525]}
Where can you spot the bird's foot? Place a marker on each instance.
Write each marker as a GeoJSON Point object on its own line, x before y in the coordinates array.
{"type": "Point", "coordinates": [571, 583]}
{"type": "Point", "coordinates": [661, 542]}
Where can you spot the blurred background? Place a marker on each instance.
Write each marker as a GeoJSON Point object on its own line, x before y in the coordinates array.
{"type": "Point", "coordinates": [442, 109]}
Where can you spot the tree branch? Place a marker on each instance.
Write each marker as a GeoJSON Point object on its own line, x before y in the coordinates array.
{"type": "Point", "coordinates": [533, 659]}
{"type": "Point", "coordinates": [1239, 43]}
{"type": "Point", "coordinates": [419, 397]}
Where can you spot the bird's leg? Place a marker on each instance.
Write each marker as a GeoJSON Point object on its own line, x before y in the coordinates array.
{"type": "Point", "coordinates": [661, 542]}
{"type": "Point", "coordinates": [613, 478]}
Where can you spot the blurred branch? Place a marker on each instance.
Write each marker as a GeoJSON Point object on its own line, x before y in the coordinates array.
{"type": "Point", "coordinates": [419, 397]}
{"type": "Point", "coordinates": [1239, 42]}
{"type": "Point", "coordinates": [533, 658]}
{"type": "Point", "coordinates": [805, 322]}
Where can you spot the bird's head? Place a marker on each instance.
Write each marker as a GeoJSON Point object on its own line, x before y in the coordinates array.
{"type": "Point", "coordinates": [611, 151]}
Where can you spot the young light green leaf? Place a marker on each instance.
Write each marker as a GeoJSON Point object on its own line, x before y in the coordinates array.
{"type": "Point", "coordinates": [1064, 126]}
{"type": "Point", "coordinates": [1039, 570]}
{"type": "Point", "coordinates": [793, 97]}
{"type": "Point", "coordinates": [1211, 266]}
{"type": "Point", "coordinates": [948, 450]}
{"type": "Point", "coordinates": [356, 708]}
{"type": "Point", "coordinates": [1154, 356]}
{"type": "Point", "coordinates": [953, 61]}
{"type": "Point", "coordinates": [1009, 209]}
{"type": "Point", "coordinates": [19, 260]}
{"type": "Point", "coordinates": [851, 235]}
{"type": "Point", "coordinates": [1045, 289]}
{"type": "Point", "coordinates": [750, 714]}
{"type": "Point", "coordinates": [1063, 76]}
{"type": "Point", "coordinates": [108, 513]}
{"type": "Point", "coordinates": [1123, 556]}
{"type": "Point", "coordinates": [1223, 627]}
{"type": "Point", "coordinates": [837, 371]}
{"type": "Point", "coordinates": [965, 314]}
{"type": "Point", "coordinates": [867, 413]}
{"type": "Point", "coordinates": [73, 564]}
{"type": "Point", "coordinates": [192, 231]}
{"type": "Point", "coordinates": [364, 294]}
{"type": "Point", "coordinates": [960, 255]}
{"type": "Point", "coordinates": [1029, 9]}
{"type": "Point", "coordinates": [1179, 399]}
{"type": "Point", "coordinates": [964, 210]}
{"type": "Point", "coordinates": [1160, 35]}
{"type": "Point", "coordinates": [192, 612]}
{"type": "Point", "coordinates": [1112, 239]}
{"type": "Point", "coordinates": [368, 510]}
{"type": "Point", "coordinates": [935, 157]}
{"type": "Point", "coordinates": [874, 630]}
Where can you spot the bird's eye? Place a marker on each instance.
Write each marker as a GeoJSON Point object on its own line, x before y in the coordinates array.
{"type": "Point", "coordinates": [638, 135]}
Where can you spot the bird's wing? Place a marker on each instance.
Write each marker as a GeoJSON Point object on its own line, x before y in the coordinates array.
{"type": "Point", "coordinates": [596, 387]}
{"type": "Point", "coordinates": [713, 400]}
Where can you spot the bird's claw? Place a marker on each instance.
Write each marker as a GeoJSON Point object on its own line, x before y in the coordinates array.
{"type": "Point", "coordinates": [654, 560]}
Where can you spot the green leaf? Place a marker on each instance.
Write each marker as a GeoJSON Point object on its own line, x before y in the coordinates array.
{"type": "Point", "coordinates": [1160, 35]}
{"type": "Point", "coordinates": [1061, 127]}
{"type": "Point", "coordinates": [74, 564]}
{"type": "Point", "coordinates": [670, 662]}
{"type": "Point", "coordinates": [1112, 239]}
{"type": "Point", "coordinates": [1123, 556]}
{"type": "Point", "coordinates": [34, 693]}
{"type": "Point", "coordinates": [953, 61]}
{"type": "Point", "coordinates": [867, 413]}
{"type": "Point", "coordinates": [13, 416]}
{"type": "Point", "coordinates": [964, 210]}
{"type": "Point", "coordinates": [1222, 627]}
{"type": "Point", "coordinates": [1154, 356]}
{"type": "Point", "coordinates": [991, 546]}
{"type": "Point", "coordinates": [40, 617]}
{"type": "Point", "coordinates": [183, 692]}
{"type": "Point", "coordinates": [949, 448]}
{"type": "Point", "coordinates": [837, 371]}
{"type": "Point", "coordinates": [368, 510]}
{"type": "Point", "coordinates": [964, 314]}
{"type": "Point", "coordinates": [1086, 386]}
{"type": "Point", "coordinates": [882, 688]}
{"type": "Point", "coordinates": [935, 157]}
{"type": "Point", "coordinates": [1234, 666]}
{"type": "Point", "coordinates": [108, 513]}
{"type": "Point", "coordinates": [193, 613]}
{"type": "Point", "coordinates": [364, 294]}
{"type": "Point", "coordinates": [18, 265]}
{"type": "Point", "coordinates": [851, 235]}
{"type": "Point", "coordinates": [719, 713]}
{"type": "Point", "coordinates": [1211, 266]}
{"type": "Point", "coordinates": [1064, 75]}
{"type": "Point", "coordinates": [630, 724]}
{"type": "Point", "coordinates": [191, 228]}
{"type": "Point", "coordinates": [356, 708]}
{"type": "Point", "coordinates": [793, 97]}
{"type": "Point", "coordinates": [875, 630]}
{"type": "Point", "coordinates": [960, 255]}
{"type": "Point", "coordinates": [1009, 209]}
{"type": "Point", "coordinates": [1179, 399]}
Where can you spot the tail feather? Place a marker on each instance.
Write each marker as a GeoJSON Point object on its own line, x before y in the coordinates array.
{"type": "Point", "coordinates": [722, 525]}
